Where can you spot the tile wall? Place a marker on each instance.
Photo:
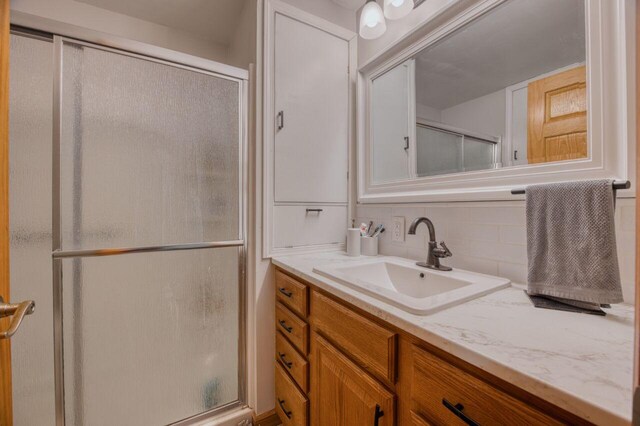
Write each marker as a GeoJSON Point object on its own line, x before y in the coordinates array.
{"type": "Point", "coordinates": [488, 237]}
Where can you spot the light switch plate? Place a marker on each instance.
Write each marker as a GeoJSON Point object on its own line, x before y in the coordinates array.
{"type": "Point", "coordinates": [398, 229]}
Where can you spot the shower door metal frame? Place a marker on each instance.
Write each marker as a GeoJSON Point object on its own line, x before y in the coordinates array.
{"type": "Point", "coordinates": [189, 63]}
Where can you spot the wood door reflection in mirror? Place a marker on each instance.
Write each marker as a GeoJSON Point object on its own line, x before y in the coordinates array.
{"type": "Point", "coordinates": [557, 117]}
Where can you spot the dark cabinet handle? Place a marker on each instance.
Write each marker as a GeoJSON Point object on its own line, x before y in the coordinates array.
{"type": "Point", "coordinates": [379, 413]}
{"type": "Point", "coordinates": [280, 120]}
{"type": "Point", "coordinates": [286, 413]}
{"type": "Point", "coordinates": [458, 411]}
{"type": "Point", "coordinates": [406, 143]}
{"type": "Point", "coordinates": [283, 324]}
{"type": "Point", "coordinates": [285, 292]}
{"type": "Point", "coordinates": [314, 210]}
{"type": "Point", "coordinates": [287, 364]}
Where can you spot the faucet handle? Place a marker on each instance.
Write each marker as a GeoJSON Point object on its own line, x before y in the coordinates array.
{"type": "Point", "coordinates": [442, 251]}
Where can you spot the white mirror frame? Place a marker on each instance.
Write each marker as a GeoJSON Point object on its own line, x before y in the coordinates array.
{"type": "Point", "coordinates": [610, 35]}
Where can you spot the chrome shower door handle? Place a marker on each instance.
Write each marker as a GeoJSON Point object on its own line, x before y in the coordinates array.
{"type": "Point", "coordinates": [17, 311]}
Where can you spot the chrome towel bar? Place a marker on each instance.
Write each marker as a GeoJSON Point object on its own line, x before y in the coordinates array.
{"type": "Point", "coordinates": [618, 184]}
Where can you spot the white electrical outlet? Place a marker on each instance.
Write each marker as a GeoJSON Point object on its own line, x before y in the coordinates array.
{"type": "Point", "coordinates": [398, 229]}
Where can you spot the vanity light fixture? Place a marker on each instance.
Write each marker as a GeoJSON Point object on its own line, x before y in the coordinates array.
{"type": "Point", "coordinates": [396, 9]}
{"type": "Point", "coordinates": [372, 23]}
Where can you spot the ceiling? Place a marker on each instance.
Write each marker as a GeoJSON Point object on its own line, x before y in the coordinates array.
{"type": "Point", "coordinates": [513, 43]}
{"type": "Point", "coordinates": [214, 20]}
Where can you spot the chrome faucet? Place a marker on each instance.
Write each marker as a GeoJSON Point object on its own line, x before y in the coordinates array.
{"type": "Point", "coordinates": [434, 253]}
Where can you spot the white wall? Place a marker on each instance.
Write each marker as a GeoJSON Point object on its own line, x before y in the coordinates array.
{"type": "Point", "coordinates": [425, 112]}
{"type": "Point", "coordinates": [242, 49]}
{"type": "Point", "coordinates": [98, 19]}
{"type": "Point", "coordinates": [328, 10]}
{"type": "Point", "coordinates": [485, 114]}
{"type": "Point", "coordinates": [490, 237]}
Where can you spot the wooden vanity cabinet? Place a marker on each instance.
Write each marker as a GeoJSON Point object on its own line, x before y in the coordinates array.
{"type": "Point", "coordinates": [340, 366]}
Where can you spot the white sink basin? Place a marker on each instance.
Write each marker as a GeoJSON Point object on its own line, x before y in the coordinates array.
{"type": "Point", "coordinates": [400, 282]}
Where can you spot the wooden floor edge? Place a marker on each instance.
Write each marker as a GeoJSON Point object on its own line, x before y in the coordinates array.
{"type": "Point", "coordinates": [270, 418]}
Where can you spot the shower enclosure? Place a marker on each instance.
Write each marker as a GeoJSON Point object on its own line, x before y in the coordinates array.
{"type": "Point", "coordinates": [127, 216]}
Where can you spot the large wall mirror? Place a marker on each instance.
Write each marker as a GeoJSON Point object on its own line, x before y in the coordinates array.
{"type": "Point", "coordinates": [506, 89]}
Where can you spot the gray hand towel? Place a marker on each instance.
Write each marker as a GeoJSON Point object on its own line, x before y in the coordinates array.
{"type": "Point", "coordinates": [571, 242]}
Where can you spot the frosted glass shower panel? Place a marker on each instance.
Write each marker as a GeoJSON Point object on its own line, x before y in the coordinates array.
{"type": "Point", "coordinates": [478, 154]}
{"type": "Point", "coordinates": [150, 152]}
{"type": "Point", "coordinates": [150, 338]}
{"type": "Point", "coordinates": [437, 152]}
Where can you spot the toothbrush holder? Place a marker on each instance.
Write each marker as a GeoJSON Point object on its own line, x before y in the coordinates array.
{"type": "Point", "coordinates": [369, 246]}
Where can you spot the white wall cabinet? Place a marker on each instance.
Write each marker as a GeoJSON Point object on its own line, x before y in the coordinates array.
{"type": "Point", "coordinates": [393, 123]}
{"type": "Point", "coordinates": [312, 114]}
{"type": "Point", "coordinates": [307, 129]}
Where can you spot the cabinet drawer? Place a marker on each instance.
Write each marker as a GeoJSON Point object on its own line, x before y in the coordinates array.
{"type": "Point", "coordinates": [293, 226]}
{"type": "Point", "coordinates": [373, 346]}
{"type": "Point", "coordinates": [292, 362]}
{"type": "Point", "coordinates": [292, 293]}
{"type": "Point", "coordinates": [418, 420]}
{"type": "Point", "coordinates": [437, 384]}
{"type": "Point", "coordinates": [292, 327]}
{"type": "Point", "coordinates": [291, 404]}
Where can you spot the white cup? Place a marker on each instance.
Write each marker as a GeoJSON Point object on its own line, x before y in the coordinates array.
{"type": "Point", "coordinates": [369, 246]}
{"type": "Point", "coordinates": [353, 242]}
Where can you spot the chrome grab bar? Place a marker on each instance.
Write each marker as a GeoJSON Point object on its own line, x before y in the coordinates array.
{"type": "Point", "coordinates": [18, 311]}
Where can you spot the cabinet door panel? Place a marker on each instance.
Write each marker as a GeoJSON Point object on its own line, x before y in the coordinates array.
{"type": "Point", "coordinates": [343, 394]}
{"type": "Point", "coordinates": [393, 120]}
{"type": "Point", "coordinates": [312, 91]}
{"type": "Point", "coordinates": [294, 226]}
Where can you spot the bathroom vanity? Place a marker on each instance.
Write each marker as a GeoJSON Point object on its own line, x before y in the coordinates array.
{"type": "Point", "coordinates": [346, 357]}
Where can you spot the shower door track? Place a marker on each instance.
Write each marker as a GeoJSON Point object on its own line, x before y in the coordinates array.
{"type": "Point", "coordinates": [151, 53]}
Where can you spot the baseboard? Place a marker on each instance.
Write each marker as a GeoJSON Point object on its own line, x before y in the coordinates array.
{"type": "Point", "coordinates": [270, 418]}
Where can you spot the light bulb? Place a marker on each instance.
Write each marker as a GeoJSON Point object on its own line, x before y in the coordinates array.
{"type": "Point", "coordinates": [372, 23]}
{"type": "Point", "coordinates": [396, 9]}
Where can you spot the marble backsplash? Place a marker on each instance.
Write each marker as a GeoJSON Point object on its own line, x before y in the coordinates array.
{"type": "Point", "coordinates": [488, 237]}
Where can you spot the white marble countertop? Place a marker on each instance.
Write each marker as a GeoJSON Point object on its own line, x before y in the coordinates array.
{"type": "Point", "coordinates": [582, 363]}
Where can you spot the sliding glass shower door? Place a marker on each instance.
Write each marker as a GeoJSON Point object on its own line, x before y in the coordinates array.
{"type": "Point", "coordinates": [148, 238]}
